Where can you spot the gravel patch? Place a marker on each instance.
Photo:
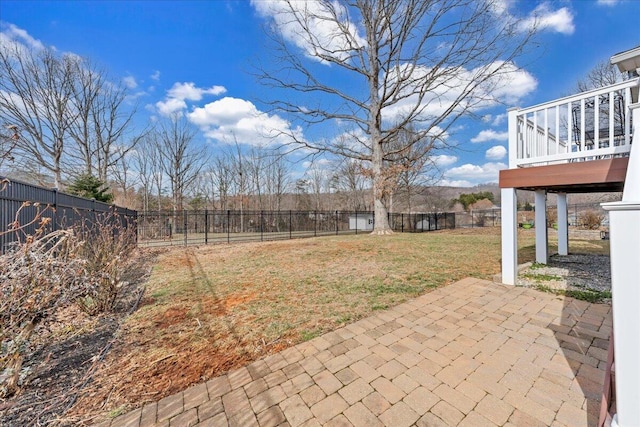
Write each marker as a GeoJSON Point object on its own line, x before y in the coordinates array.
{"type": "Point", "coordinates": [571, 272]}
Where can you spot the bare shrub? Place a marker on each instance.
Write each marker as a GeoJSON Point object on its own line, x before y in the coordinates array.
{"type": "Point", "coordinates": [107, 250]}
{"type": "Point", "coordinates": [41, 275]}
{"type": "Point", "coordinates": [552, 217]}
{"type": "Point", "coordinates": [591, 220]}
{"type": "Point", "coordinates": [46, 271]}
{"type": "Point", "coordinates": [480, 218]}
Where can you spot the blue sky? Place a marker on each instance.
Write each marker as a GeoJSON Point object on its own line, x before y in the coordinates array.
{"type": "Point", "coordinates": [197, 57]}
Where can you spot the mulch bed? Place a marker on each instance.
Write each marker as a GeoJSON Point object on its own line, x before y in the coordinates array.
{"type": "Point", "coordinates": [64, 354]}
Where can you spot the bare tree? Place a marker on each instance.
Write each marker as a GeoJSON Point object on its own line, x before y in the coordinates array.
{"type": "Point", "coordinates": [317, 180]}
{"type": "Point", "coordinates": [255, 167]}
{"type": "Point", "coordinates": [100, 121]}
{"type": "Point", "coordinates": [143, 165]}
{"type": "Point", "coordinates": [393, 63]}
{"type": "Point", "coordinates": [35, 92]}
{"type": "Point", "coordinates": [241, 179]}
{"type": "Point", "coordinates": [72, 119]}
{"type": "Point", "coordinates": [350, 183]}
{"type": "Point", "coordinates": [181, 161]}
{"type": "Point", "coordinates": [221, 176]}
{"type": "Point", "coordinates": [302, 200]}
{"type": "Point", "coordinates": [412, 165]}
{"type": "Point", "coordinates": [277, 180]}
{"type": "Point", "coordinates": [124, 176]}
{"type": "Point", "coordinates": [9, 136]}
{"type": "Point", "coordinates": [602, 74]}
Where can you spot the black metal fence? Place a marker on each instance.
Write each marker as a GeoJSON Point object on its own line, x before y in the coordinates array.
{"type": "Point", "coordinates": [26, 205]}
{"type": "Point", "coordinates": [205, 227]}
{"type": "Point", "coordinates": [186, 227]}
{"type": "Point", "coordinates": [422, 222]}
{"type": "Point", "coordinates": [577, 216]}
{"type": "Point", "coordinates": [479, 218]}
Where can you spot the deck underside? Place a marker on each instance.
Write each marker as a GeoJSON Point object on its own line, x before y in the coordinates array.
{"type": "Point", "coordinates": [606, 175]}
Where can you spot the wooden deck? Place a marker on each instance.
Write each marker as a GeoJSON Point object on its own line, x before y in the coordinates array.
{"type": "Point", "coordinates": [606, 175]}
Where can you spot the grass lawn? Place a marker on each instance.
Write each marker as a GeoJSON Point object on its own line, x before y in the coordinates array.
{"type": "Point", "coordinates": [210, 309]}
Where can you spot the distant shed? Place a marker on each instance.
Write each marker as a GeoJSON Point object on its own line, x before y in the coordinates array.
{"type": "Point", "coordinates": [361, 221]}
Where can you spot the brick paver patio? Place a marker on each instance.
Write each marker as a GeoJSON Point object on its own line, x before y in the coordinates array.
{"type": "Point", "coordinates": [473, 353]}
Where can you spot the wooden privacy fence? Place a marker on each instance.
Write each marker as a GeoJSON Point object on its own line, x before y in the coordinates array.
{"type": "Point", "coordinates": [22, 203]}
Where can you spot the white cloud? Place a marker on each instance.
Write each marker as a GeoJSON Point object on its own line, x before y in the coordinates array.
{"type": "Point", "coordinates": [455, 183]}
{"type": "Point", "coordinates": [544, 18]}
{"type": "Point", "coordinates": [444, 160]}
{"type": "Point", "coordinates": [130, 82]}
{"type": "Point", "coordinates": [475, 174]}
{"type": "Point", "coordinates": [324, 36]}
{"type": "Point", "coordinates": [190, 92]}
{"type": "Point", "coordinates": [607, 2]}
{"type": "Point", "coordinates": [497, 152]}
{"type": "Point", "coordinates": [320, 164]}
{"type": "Point", "coordinates": [230, 119]}
{"type": "Point", "coordinates": [507, 84]}
{"type": "Point", "coordinates": [490, 135]}
{"type": "Point", "coordinates": [12, 35]}
{"type": "Point", "coordinates": [175, 101]}
{"type": "Point", "coordinates": [170, 106]}
{"type": "Point", "coordinates": [155, 76]}
{"type": "Point", "coordinates": [499, 119]}
{"type": "Point", "coordinates": [496, 120]}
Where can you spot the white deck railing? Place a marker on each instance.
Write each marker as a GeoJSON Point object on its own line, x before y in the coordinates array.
{"type": "Point", "coordinates": [588, 126]}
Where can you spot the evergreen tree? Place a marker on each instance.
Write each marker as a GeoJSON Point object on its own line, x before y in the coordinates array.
{"type": "Point", "coordinates": [90, 187]}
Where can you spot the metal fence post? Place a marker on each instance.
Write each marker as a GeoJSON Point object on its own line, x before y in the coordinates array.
{"type": "Point", "coordinates": [290, 223]}
{"type": "Point", "coordinates": [55, 209]}
{"type": "Point", "coordinates": [135, 222]}
{"type": "Point", "coordinates": [402, 219]}
{"type": "Point", "coordinates": [184, 225]}
{"type": "Point", "coordinates": [337, 213]}
{"type": "Point", "coordinates": [356, 222]}
{"type": "Point", "coordinates": [261, 228]}
{"type": "Point", "coordinates": [206, 226]}
{"type": "Point", "coordinates": [228, 226]}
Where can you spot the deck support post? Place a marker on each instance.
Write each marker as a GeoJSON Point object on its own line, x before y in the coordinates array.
{"type": "Point", "coordinates": [542, 251]}
{"type": "Point", "coordinates": [563, 225]}
{"type": "Point", "coordinates": [624, 234]}
{"type": "Point", "coordinates": [509, 226]}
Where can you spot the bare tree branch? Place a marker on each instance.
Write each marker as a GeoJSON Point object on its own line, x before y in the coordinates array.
{"type": "Point", "coordinates": [378, 68]}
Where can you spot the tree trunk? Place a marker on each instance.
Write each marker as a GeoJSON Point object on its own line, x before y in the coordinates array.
{"type": "Point", "coordinates": [381, 224]}
{"type": "Point", "coordinates": [381, 220]}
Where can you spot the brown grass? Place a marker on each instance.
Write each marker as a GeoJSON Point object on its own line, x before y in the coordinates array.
{"type": "Point", "coordinates": [211, 309]}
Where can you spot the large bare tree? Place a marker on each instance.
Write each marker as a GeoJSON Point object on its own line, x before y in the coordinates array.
{"type": "Point", "coordinates": [35, 93]}
{"type": "Point", "coordinates": [376, 66]}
